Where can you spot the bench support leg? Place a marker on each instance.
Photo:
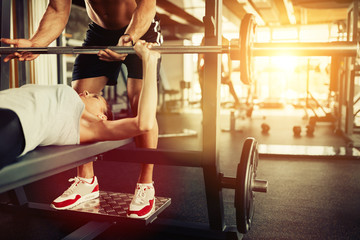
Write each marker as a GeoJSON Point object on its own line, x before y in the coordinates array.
{"type": "Point", "coordinates": [18, 196]}
{"type": "Point", "coordinates": [89, 230]}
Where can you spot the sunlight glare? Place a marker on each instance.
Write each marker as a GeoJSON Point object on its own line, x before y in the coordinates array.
{"type": "Point", "coordinates": [284, 63]}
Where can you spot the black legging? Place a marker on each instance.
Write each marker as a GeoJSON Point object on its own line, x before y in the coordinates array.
{"type": "Point", "coordinates": [12, 140]}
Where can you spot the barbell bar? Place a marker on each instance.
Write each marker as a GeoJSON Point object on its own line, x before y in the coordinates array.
{"type": "Point", "coordinates": [306, 49]}
{"type": "Point", "coordinates": [258, 49]}
{"type": "Point", "coordinates": [244, 50]}
{"type": "Point", "coordinates": [176, 49]}
{"type": "Point", "coordinates": [243, 54]}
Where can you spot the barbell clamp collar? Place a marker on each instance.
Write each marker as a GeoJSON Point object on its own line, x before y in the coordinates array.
{"type": "Point", "coordinates": [258, 185]}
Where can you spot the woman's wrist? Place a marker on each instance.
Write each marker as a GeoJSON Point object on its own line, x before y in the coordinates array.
{"type": "Point", "coordinates": [152, 57]}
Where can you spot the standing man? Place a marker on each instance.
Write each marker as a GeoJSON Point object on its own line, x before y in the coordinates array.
{"type": "Point", "coordinates": [226, 71]}
{"type": "Point", "coordinates": [114, 23]}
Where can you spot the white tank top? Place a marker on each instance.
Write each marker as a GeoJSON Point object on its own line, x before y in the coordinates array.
{"type": "Point", "coordinates": [49, 115]}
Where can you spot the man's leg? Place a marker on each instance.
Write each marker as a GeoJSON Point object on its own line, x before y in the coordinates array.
{"type": "Point", "coordinates": [148, 140]}
{"type": "Point", "coordinates": [143, 202]}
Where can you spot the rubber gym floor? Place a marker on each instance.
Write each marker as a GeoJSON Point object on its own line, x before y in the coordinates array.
{"type": "Point", "coordinates": [306, 199]}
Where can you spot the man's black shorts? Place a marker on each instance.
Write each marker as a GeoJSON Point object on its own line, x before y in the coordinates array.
{"type": "Point", "coordinates": [88, 66]}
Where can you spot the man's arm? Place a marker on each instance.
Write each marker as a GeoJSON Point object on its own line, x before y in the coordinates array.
{"type": "Point", "coordinates": [141, 19]}
{"type": "Point", "coordinates": [140, 22]}
{"type": "Point", "coordinates": [146, 118]}
{"type": "Point", "coordinates": [52, 23]}
{"type": "Point", "coordinates": [50, 27]}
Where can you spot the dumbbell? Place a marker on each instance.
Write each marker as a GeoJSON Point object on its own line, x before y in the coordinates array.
{"type": "Point", "coordinates": [297, 131]}
{"type": "Point", "coordinates": [265, 128]}
{"type": "Point", "coordinates": [310, 130]}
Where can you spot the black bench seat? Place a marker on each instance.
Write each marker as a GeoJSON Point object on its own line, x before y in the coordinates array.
{"type": "Point", "coordinates": [50, 160]}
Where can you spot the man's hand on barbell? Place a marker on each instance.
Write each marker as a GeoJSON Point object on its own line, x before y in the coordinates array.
{"type": "Point", "coordinates": [23, 56]}
{"type": "Point", "coordinates": [111, 56]}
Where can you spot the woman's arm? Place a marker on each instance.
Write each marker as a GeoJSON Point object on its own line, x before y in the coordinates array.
{"type": "Point", "coordinates": [146, 118]}
{"type": "Point", "coordinates": [148, 96]}
{"type": "Point", "coordinates": [108, 130]}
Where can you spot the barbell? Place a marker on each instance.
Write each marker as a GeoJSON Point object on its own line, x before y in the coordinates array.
{"type": "Point", "coordinates": [258, 49]}
{"type": "Point", "coordinates": [244, 50]}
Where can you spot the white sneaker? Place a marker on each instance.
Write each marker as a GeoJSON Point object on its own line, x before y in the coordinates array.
{"type": "Point", "coordinates": [143, 202]}
{"type": "Point", "coordinates": [80, 191]}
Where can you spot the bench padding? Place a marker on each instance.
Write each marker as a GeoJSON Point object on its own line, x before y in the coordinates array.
{"type": "Point", "coordinates": [50, 160]}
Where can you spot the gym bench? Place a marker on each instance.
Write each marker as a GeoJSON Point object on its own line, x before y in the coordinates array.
{"type": "Point", "coordinates": [46, 161]}
{"type": "Point", "coordinates": [111, 207]}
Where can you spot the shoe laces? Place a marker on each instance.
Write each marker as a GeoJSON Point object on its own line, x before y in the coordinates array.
{"type": "Point", "coordinates": [140, 195]}
{"type": "Point", "coordinates": [71, 189]}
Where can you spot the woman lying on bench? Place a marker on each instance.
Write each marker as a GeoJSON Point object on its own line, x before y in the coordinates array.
{"type": "Point", "coordinates": [35, 115]}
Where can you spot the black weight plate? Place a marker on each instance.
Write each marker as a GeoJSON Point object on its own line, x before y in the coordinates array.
{"type": "Point", "coordinates": [256, 159]}
{"type": "Point", "coordinates": [246, 35]}
{"type": "Point", "coordinates": [244, 197]}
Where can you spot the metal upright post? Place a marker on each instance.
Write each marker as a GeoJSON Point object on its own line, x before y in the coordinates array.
{"type": "Point", "coordinates": [5, 9]}
{"type": "Point", "coordinates": [346, 90]}
{"type": "Point", "coordinates": [351, 80]}
{"type": "Point", "coordinates": [22, 31]}
{"type": "Point", "coordinates": [60, 62]}
{"type": "Point", "coordinates": [211, 105]}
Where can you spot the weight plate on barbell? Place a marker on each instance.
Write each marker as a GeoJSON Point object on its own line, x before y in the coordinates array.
{"type": "Point", "coordinates": [256, 159]}
{"type": "Point", "coordinates": [244, 196]}
{"type": "Point", "coordinates": [246, 35]}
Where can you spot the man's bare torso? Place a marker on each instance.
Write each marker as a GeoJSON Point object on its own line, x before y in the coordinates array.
{"type": "Point", "coordinates": [110, 14]}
